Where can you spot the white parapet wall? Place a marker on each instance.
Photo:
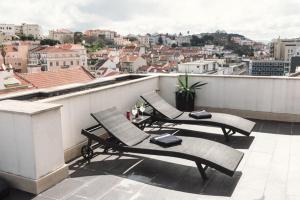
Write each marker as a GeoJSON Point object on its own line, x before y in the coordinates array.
{"type": "Point", "coordinates": [31, 149]}
{"type": "Point", "coordinates": [77, 107]}
{"type": "Point", "coordinates": [270, 98]}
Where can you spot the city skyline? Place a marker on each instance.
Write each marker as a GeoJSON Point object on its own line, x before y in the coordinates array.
{"type": "Point", "coordinates": [264, 20]}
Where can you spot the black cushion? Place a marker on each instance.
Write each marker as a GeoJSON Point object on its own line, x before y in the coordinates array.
{"type": "Point", "coordinates": [4, 189]}
{"type": "Point", "coordinates": [166, 140]}
{"type": "Point", "coordinates": [200, 114]}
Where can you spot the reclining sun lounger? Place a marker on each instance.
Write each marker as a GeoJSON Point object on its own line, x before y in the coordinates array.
{"type": "Point", "coordinates": [230, 124]}
{"type": "Point", "coordinates": [125, 137]}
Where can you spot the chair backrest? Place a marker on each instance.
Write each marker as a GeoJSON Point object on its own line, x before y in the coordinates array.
{"type": "Point", "coordinates": [160, 105]}
{"type": "Point", "coordinates": [118, 126]}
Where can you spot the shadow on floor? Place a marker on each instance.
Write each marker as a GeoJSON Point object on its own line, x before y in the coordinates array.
{"type": "Point", "coordinates": [159, 173]}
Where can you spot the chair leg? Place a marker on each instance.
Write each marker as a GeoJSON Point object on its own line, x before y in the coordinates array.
{"type": "Point", "coordinates": [226, 134]}
{"type": "Point", "coordinates": [202, 171]}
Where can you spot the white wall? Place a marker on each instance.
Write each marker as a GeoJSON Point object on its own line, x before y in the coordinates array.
{"type": "Point", "coordinates": [31, 140]}
{"type": "Point", "coordinates": [76, 109]}
{"type": "Point", "coordinates": [265, 94]}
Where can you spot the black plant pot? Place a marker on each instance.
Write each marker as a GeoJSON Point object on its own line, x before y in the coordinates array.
{"type": "Point", "coordinates": [185, 102]}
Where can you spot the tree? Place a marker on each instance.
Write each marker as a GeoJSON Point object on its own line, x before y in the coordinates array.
{"type": "Point", "coordinates": [160, 40]}
{"type": "Point", "coordinates": [174, 45]}
{"type": "Point", "coordinates": [26, 37]}
{"type": "Point", "coordinates": [49, 42]}
{"type": "Point", "coordinates": [3, 53]}
{"type": "Point", "coordinates": [78, 37]}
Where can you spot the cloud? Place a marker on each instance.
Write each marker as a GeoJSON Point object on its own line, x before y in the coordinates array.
{"type": "Point", "coordinates": [257, 19]}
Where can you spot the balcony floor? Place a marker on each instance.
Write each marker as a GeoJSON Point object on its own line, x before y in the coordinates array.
{"type": "Point", "coordinates": [270, 170]}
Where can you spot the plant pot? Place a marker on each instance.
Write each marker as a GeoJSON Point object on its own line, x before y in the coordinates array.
{"type": "Point", "coordinates": [185, 102]}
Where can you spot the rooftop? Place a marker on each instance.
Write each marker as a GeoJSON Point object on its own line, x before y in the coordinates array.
{"type": "Point", "coordinates": [41, 141]}
{"type": "Point", "coordinates": [269, 170]}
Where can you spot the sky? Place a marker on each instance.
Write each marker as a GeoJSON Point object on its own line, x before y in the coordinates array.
{"type": "Point", "coordinates": [260, 20]}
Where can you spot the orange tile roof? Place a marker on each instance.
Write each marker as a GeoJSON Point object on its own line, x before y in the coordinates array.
{"type": "Point", "coordinates": [57, 78]}
{"type": "Point", "coordinates": [54, 50]}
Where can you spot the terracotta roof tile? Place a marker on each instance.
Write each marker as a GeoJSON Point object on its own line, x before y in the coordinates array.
{"type": "Point", "coordinates": [57, 78]}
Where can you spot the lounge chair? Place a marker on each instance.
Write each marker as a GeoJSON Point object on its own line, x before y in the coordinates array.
{"type": "Point", "coordinates": [126, 137]}
{"type": "Point", "coordinates": [230, 124]}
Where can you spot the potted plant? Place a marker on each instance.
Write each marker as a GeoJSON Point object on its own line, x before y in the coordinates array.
{"type": "Point", "coordinates": [185, 94]}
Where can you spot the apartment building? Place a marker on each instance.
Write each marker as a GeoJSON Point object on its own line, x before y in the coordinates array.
{"type": "Point", "coordinates": [269, 67]}
{"type": "Point", "coordinates": [62, 35]}
{"type": "Point", "coordinates": [79, 49]}
{"type": "Point", "coordinates": [8, 29]}
{"type": "Point", "coordinates": [4, 37]}
{"type": "Point", "coordinates": [144, 40]}
{"type": "Point", "coordinates": [23, 29]}
{"type": "Point", "coordinates": [181, 40]}
{"type": "Point", "coordinates": [48, 58]}
{"type": "Point", "coordinates": [16, 55]}
{"type": "Point", "coordinates": [29, 29]}
{"type": "Point", "coordinates": [198, 67]}
{"type": "Point", "coordinates": [284, 49]}
{"type": "Point", "coordinates": [120, 41]}
{"type": "Point", "coordinates": [106, 34]}
{"type": "Point", "coordinates": [131, 63]}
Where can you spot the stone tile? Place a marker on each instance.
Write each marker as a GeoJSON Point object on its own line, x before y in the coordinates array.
{"type": "Point", "coordinates": [285, 128]}
{"type": "Point", "coordinates": [98, 188]}
{"type": "Point", "coordinates": [246, 193]}
{"type": "Point", "coordinates": [269, 127]}
{"type": "Point", "coordinates": [126, 189]}
{"type": "Point", "coordinates": [153, 192]}
{"type": "Point", "coordinates": [64, 189]}
{"type": "Point", "coordinates": [17, 194]}
{"type": "Point", "coordinates": [222, 185]}
{"type": "Point", "coordinates": [296, 129]}
{"type": "Point", "coordinates": [293, 197]}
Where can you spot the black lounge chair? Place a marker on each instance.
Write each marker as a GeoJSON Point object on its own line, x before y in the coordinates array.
{"type": "Point", "coordinates": [126, 137]}
{"type": "Point", "coordinates": [230, 124]}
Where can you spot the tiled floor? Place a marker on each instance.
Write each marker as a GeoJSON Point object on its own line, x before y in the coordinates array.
{"type": "Point", "coordinates": [270, 169]}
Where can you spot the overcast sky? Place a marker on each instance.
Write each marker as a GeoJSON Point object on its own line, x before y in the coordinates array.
{"type": "Point", "coordinates": [256, 19]}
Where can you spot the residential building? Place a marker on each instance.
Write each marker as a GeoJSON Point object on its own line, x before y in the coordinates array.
{"type": "Point", "coordinates": [81, 51]}
{"type": "Point", "coordinates": [144, 40]}
{"type": "Point", "coordinates": [4, 37]}
{"type": "Point", "coordinates": [16, 56]}
{"type": "Point", "coordinates": [198, 67]}
{"type": "Point", "coordinates": [23, 29]}
{"type": "Point", "coordinates": [29, 29]}
{"type": "Point", "coordinates": [182, 40]}
{"type": "Point", "coordinates": [269, 67]}
{"type": "Point", "coordinates": [48, 58]}
{"type": "Point", "coordinates": [120, 41]}
{"type": "Point", "coordinates": [8, 29]}
{"type": "Point", "coordinates": [284, 49]}
{"type": "Point", "coordinates": [62, 35]}
{"type": "Point", "coordinates": [131, 63]}
{"type": "Point", "coordinates": [106, 34]}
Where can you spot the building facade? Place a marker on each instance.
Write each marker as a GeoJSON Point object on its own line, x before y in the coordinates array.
{"type": "Point", "coordinates": [62, 35]}
{"type": "Point", "coordinates": [52, 58]}
{"type": "Point", "coordinates": [269, 68]}
{"type": "Point", "coordinates": [106, 34]}
{"type": "Point", "coordinates": [284, 49]}
{"type": "Point", "coordinates": [29, 29]}
{"type": "Point", "coordinates": [198, 67]}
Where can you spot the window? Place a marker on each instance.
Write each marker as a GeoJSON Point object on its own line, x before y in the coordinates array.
{"type": "Point", "coordinates": [77, 62]}
{"type": "Point", "coordinates": [51, 64]}
{"type": "Point", "coordinates": [57, 63]}
{"type": "Point", "coordinates": [71, 62]}
{"type": "Point", "coordinates": [64, 63]}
